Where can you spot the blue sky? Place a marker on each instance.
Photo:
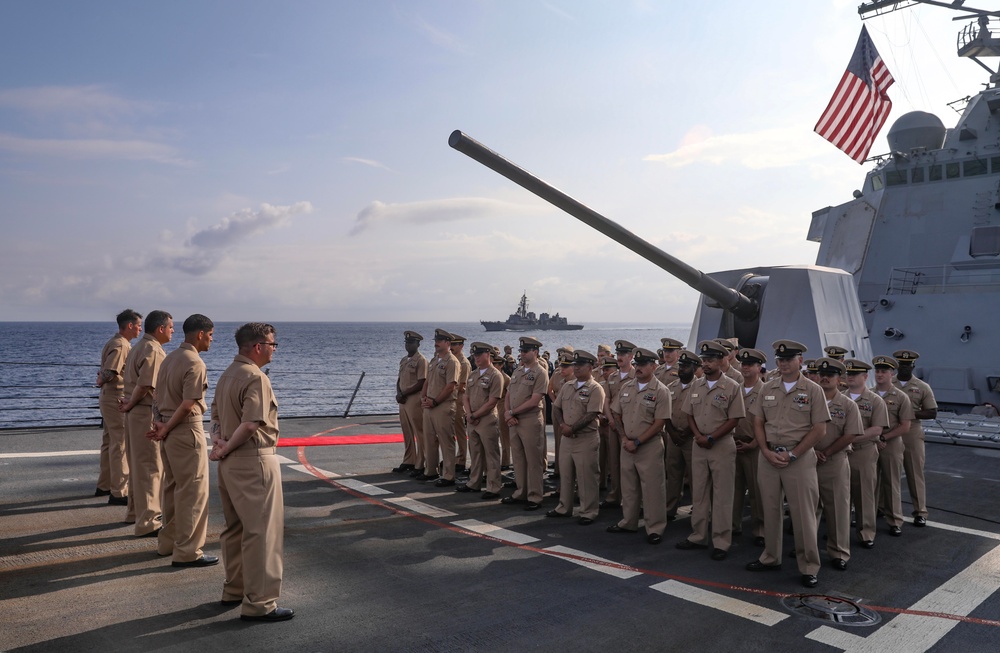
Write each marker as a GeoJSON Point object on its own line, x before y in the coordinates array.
{"type": "Point", "coordinates": [289, 161]}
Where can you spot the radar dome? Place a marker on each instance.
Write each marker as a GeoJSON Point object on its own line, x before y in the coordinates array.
{"type": "Point", "coordinates": [915, 130]}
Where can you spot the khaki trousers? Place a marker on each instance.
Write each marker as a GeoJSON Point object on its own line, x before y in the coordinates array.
{"type": "Point", "coordinates": [504, 440]}
{"type": "Point", "coordinates": [527, 447]}
{"type": "Point", "coordinates": [800, 486]}
{"type": "Point", "coordinates": [677, 468]}
{"type": "Point", "coordinates": [114, 458]}
{"type": "Point", "coordinates": [145, 471]}
{"type": "Point", "coordinates": [613, 464]}
{"type": "Point", "coordinates": [411, 420]}
{"type": "Point", "coordinates": [579, 456]}
{"type": "Point", "coordinates": [644, 484]}
{"type": "Point", "coordinates": [484, 454]}
{"type": "Point", "coordinates": [890, 462]}
{"type": "Point", "coordinates": [864, 474]}
{"type": "Point", "coordinates": [253, 540]}
{"type": "Point", "coordinates": [460, 436]}
{"type": "Point", "coordinates": [746, 484]}
{"type": "Point", "coordinates": [185, 492]}
{"type": "Point", "coordinates": [713, 473]}
{"type": "Point", "coordinates": [834, 477]}
{"type": "Point", "coordinates": [914, 455]}
{"type": "Point", "coordinates": [439, 439]}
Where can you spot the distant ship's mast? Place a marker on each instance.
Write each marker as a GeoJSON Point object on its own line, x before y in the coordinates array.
{"type": "Point", "coordinates": [522, 308]}
{"type": "Point", "coordinates": [975, 39]}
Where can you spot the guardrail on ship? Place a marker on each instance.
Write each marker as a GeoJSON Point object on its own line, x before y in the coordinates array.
{"type": "Point", "coordinates": [34, 394]}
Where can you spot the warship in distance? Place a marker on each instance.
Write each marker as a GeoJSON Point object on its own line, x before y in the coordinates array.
{"type": "Point", "coordinates": [523, 320]}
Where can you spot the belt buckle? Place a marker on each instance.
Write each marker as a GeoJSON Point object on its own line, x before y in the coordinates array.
{"type": "Point", "coordinates": [779, 449]}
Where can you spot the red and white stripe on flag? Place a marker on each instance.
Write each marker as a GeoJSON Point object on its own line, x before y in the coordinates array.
{"type": "Point", "coordinates": [860, 105]}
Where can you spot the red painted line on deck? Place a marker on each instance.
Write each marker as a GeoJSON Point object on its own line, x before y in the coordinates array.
{"type": "Point", "coordinates": [614, 565]}
{"type": "Point", "coordinates": [319, 441]}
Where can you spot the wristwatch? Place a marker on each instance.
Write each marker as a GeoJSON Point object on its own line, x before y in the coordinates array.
{"type": "Point", "coordinates": [637, 442]}
{"type": "Point", "coordinates": [792, 457]}
{"type": "Point", "coordinates": [710, 439]}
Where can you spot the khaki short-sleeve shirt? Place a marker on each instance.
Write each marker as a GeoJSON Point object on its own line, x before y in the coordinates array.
{"type": "Point", "coordinates": [480, 388]}
{"type": "Point", "coordinates": [712, 407]}
{"type": "Point", "coordinates": [665, 375]}
{"type": "Point", "coordinates": [113, 358]}
{"type": "Point", "coordinates": [789, 416]}
{"type": "Point", "coordinates": [182, 376]}
{"type": "Point", "coordinates": [640, 408]}
{"type": "Point", "coordinates": [898, 405]}
{"type": "Point", "coordinates": [441, 372]}
{"type": "Point", "coordinates": [575, 402]}
{"type": "Point", "coordinates": [143, 366]}
{"type": "Point", "coordinates": [678, 395]}
{"type": "Point", "coordinates": [464, 369]}
{"type": "Point", "coordinates": [845, 418]}
{"type": "Point", "coordinates": [244, 394]}
{"type": "Point", "coordinates": [412, 369]}
{"type": "Point", "coordinates": [744, 428]}
{"type": "Point", "coordinates": [921, 398]}
{"type": "Point", "coordinates": [872, 409]}
{"type": "Point", "coordinates": [526, 381]}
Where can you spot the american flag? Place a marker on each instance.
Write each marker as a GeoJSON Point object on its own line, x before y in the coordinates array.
{"type": "Point", "coordinates": [859, 106]}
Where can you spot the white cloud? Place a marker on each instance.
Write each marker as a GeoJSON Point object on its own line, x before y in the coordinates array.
{"type": "Point", "coordinates": [94, 148]}
{"type": "Point", "coordinates": [69, 100]}
{"type": "Point", "coordinates": [242, 224]}
{"type": "Point", "coordinates": [430, 211]}
{"type": "Point", "coordinates": [368, 162]}
{"type": "Point", "coordinates": [780, 147]}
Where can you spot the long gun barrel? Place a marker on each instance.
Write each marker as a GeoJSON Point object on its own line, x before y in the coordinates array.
{"type": "Point", "coordinates": [727, 297]}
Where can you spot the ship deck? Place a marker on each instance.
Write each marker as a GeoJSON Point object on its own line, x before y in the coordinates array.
{"type": "Point", "coordinates": [379, 562]}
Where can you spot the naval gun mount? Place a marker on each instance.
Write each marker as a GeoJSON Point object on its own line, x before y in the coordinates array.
{"type": "Point", "coordinates": [815, 305]}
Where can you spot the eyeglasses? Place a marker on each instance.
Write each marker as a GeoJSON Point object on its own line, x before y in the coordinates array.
{"type": "Point", "coordinates": [273, 344]}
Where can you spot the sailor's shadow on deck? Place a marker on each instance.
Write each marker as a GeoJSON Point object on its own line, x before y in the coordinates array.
{"type": "Point", "coordinates": [58, 576]}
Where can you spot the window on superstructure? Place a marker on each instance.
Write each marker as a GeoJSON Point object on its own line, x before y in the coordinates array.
{"type": "Point", "coordinates": [895, 177]}
{"type": "Point", "coordinates": [935, 173]}
{"type": "Point", "coordinates": [952, 171]}
{"type": "Point", "coordinates": [995, 165]}
{"type": "Point", "coordinates": [973, 168]}
{"type": "Point", "coordinates": [985, 241]}
{"type": "Point", "coordinates": [917, 176]}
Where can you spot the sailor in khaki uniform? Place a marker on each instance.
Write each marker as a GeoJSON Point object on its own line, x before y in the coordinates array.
{"type": "Point", "coordinates": [864, 457]}
{"type": "Point", "coordinates": [729, 363]}
{"type": "Point", "coordinates": [789, 419]}
{"type": "Point", "coordinates": [608, 367]}
{"type": "Point", "coordinates": [244, 434]}
{"type": "Point", "coordinates": [641, 409]}
{"type": "Point", "coordinates": [577, 406]}
{"type": "Point", "coordinates": [671, 349]}
{"type": "Point", "coordinates": [890, 456]}
{"type": "Point", "coordinates": [113, 479]}
{"type": "Point", "coordinates": [438, 401]}
{"type": "Point", "coordinates": [714, 407]}
{"type": "Point", "coordinates": [623, 353]}
{"type": "Point", "coordinates": [679, 438]}
{"type": "Point", "coordinates": [835, 352]}
{"type": "Point", "coordinates": [747, 451]}
{"type": "Point", "coordinates": [525, 416]}
{"type": "Point", "coordinates": [563, 373]}
{"type": "Point", "coordinates": [498, 363]}
{"type": "Point", "coordinates": [461, 438]}
{"type": "Point", "coordinates": [409, 383]}
{"type": "Point", "coordinates": [145, 467]}
{"type": "Point", "coordinates": [484, 389]}
{"type": "Point", "coordinates": [180, 403]}
{"type": "Point", "coordinates": [833, 471]}
{"type": "Point", "coordinates": [924, 407]}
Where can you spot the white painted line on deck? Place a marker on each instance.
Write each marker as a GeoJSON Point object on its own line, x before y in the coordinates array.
{"type": "Point", "coordinates": [362, 487]}
{"type": "Point", "coordinates": [282, 460]}
{"type": "Point", "coordinates": [726, 604]}
{"type": "Point", "coordinates": [608, 567]}
{"type": "Point", "coordinates": [418, 506]}
{"type": "Point", "coordinates": [967, 531]}
{"type": "Point", "coordinates": [46, 454]}
{"type": "Point", "coordinates": [911, 633]}
{"type": "Point", "coordinates": [493, 530]}
{"type": "Point", "coordinates": [308, 472]}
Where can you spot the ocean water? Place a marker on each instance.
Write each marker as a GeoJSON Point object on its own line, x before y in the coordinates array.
{"type": "Point", "coordinates": [48, 369]}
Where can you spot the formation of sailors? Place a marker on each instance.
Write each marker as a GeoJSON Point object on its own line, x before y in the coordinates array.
{"type": "Point", "coordinates": [638, 425]}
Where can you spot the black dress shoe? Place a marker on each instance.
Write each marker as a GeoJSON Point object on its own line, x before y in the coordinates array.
{"type": "Point", "coordinates": [654, 538]}
{"type": "Point", "coordinates": [416, 473]}
{"type": "Point", "coordinates": [203, 561]}
{"type": "Point", "coordinates": [511, 500]}
{"type": "Point", "coordinates": [608, 504]}
{"type": "Point", "coordinates": [531, 505]}
{"type": "Point", "coordinates": [117, 501]}
{"type": "Point", "coordinates": [405, 467]}
{"type": "Point", "coordinates": [615, 528]}
{"type": "Point", "coordinates": [808, 580]}
{"type": "Point", "coordinates": [427, 477]}
{"type": "Point", "coordinates": [868, 544]}
{"type": "Point", "coordinates": [101, 493]}
{"type": "Point", "coordinates": [737, 533]}
{"type": "Point", "coordinates": [757, 565]}
{"type": "Point", "coordinates": [919, 521]}
{"type": "Point", "coordinates": [556, 513]}
{"type": "Point", "coordinates": [719, 554]}
{"type": "Point", "coordinates": [489, 495]}
{"type": "Point", "coordinates": [464, 487]}
{"type": "Point", "coordinates": [278, 614]}
{"type": "Point", "coordinates": [444, 482]}
{"type": "Point", "coordinates": [759, 541]}
{"type": "Point", "coordinates": [688, 545]}
{"type": "Point", "coordinates": [838, 564]}
{"type": "Point", "coordinates": [584, 521]}
{"type": "Point", "coordinates": [230, 602]}
{"type": "Point", "coordinates": [895, 531]}
{"type": "Point", "coordinates": [154, 533]}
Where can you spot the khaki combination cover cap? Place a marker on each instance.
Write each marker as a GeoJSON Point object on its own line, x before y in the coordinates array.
{"type": "Point", "coordinates": [645, 356]}
{"type": "Point", "coordinates": [885, 361]}
{"type": "Point", "coordinates": [855, 365]}
{"type": "Point", "coordinates": [712, 348]}
{"type": "Point", "coordinates": [457, 339]}
{"type": "Point", "coordinates": [528, 341]}
{"type": "Point", "coordinates": [827, 364]}
{"type": "Point", "coordinates": [412, 335]}
{"type": "Point", "coordinates": [788, 348]}
{"type": "Point", "coordinates": [609, 362]}
{"type": "Point", "coordinates": [441, 334]}
{"type": "Point", "coordinates": [810, 364]}
{"type": "Point", "coordinates": [905, 355]}
{"type": "Point", "coordinates": [567, 349]}
{"type": "Point", "coordinates": [581, 357]}
{"type": "Point", "coordinates": [482, 348]}
{"type": "Point", "coordinates": [835, 352]}
{"type": "Point", "coordinates": [670, 343]}
{"type": "Point", "coordinates": [624, 347]}
{"type": "Point", "coordinates": [752, 356]}
{"type": "Point", "coordinates": [727, 343]}
{"type": "Point", "coordinates": [689, 357]}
